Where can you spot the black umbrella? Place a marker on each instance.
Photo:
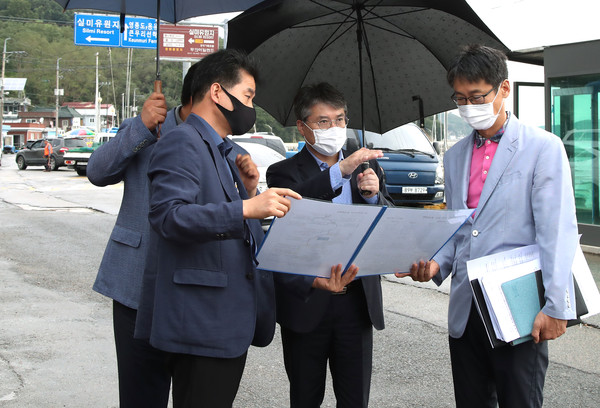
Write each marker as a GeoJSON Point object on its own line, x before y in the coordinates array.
{"type": "Point", "coordinates": [168, 10]}
{"type": "Point", "coordinates": [388, 57]}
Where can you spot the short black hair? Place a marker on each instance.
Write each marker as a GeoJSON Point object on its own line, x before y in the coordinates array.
{"type": "Point", "coordinates": [223, 67]}
{"type": "Point", "coordinates": [477, 62]}
{"type": "Point", "coordinates": [310, 95]}
{"type": "Point", "coordinates": [186, 88]}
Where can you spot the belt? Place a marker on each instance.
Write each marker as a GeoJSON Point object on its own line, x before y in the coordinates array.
{"type": "Point", "coordinates": [355, 284]}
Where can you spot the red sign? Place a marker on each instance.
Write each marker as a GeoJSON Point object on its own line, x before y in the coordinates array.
{"type": "Point", "coordinates": [188, 42]}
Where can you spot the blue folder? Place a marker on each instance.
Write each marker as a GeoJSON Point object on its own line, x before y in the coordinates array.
{"type": "Point", "coordinates": [523, 297]}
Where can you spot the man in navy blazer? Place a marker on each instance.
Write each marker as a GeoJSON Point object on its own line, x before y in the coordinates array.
{"type": "Point", "coordinates": [143, 377]}
{"type": "Point", "coordinates": [518, 180]}
{"type": "Point", "coordinates": [319, 323]}
{"type": "Point", "coordinates": [201, 296]}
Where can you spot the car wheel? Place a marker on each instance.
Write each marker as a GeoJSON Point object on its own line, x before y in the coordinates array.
{"type": "Point", "coordinates": [53, 165]}
{"type": "Point", "coordinates": [21, 163]}
{"type": "Point", "coordinates": [81, 171]}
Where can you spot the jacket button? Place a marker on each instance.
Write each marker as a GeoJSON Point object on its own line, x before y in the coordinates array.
{"type": "Point", "coordinates": [475, 233]}
{"type": "Point", "coordinates": [250, 276]}
{"type": "Point", "coordinates": [247, 242]}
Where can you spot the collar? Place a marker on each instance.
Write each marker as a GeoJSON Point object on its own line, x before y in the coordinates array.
{"type": "Point", "coordinates": [480, 140]}
{"type": "Point", "coordinates": [322, 164]}
{"type": "Point", "coordinates": [178, 119]}
{"type": "Point", "coordinates": [224, 145]}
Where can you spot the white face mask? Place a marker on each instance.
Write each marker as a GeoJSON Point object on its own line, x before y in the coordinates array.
{"type": "Point", "coordinates": [482, 116]}
{"type": "Point", "coordinates": [329, 141]}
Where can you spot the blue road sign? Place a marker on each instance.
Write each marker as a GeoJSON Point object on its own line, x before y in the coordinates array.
{"type": "Point", "coordinates": [139, 32]}
{"type": "Point", "coordinates": [103, 31]}
{"type": "Point", "coordinates": [99, 31]}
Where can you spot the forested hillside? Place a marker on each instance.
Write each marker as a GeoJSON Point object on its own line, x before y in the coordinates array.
{"type": "Point", "coordinates": [45, 33]}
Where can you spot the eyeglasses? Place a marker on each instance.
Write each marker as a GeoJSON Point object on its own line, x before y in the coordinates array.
{"type": "Point", "coordinates": [325, 124]}
{"type": "Point", "coordinates": [475, 99]}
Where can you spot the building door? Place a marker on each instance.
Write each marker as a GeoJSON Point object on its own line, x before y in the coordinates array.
{"type": "Point", "coordinates": [575, 115]}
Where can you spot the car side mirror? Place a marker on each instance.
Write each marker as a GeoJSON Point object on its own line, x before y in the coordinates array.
{"type": "Point", "coordinates": [370, 145]}
{"type": "Point", "coordinates": [437, 146]}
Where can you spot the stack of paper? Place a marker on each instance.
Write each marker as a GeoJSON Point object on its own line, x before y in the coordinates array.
{"type": "Point", "coordinates": [509, 292]}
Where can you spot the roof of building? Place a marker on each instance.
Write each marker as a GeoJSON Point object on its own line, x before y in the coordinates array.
{"type": "Point", "coordinates": [86, 105]}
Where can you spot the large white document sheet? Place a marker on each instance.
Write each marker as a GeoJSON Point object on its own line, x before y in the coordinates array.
{"type": "Point", "coordinates": [315, 235]}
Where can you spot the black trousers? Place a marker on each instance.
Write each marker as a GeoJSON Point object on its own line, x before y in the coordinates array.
{"type": "Point", "coordinates": [205, 382]}
{"type": "Point", "coordinates": [345, 338]}
{"type": "Point", "coordinates": [144, 380]}
{"type": "Point", "coordinates": [510, 376]}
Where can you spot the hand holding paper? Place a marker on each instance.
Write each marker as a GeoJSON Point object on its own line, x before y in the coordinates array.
{"type": "Point", "coordinates": [337, 281]}
{"type": "Point", "coordinates": [421, 272]}
{"type": "Point", "coordinates": [547, 328]}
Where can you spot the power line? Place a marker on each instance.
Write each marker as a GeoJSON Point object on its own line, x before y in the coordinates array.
{"type": "Point", "coordinates": [35, 20]}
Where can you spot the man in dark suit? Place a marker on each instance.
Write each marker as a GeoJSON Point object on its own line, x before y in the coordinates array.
{"type": "Point", "coordinates": [317, 322]}
{"type": "Point", "coordinates": [201, 297]}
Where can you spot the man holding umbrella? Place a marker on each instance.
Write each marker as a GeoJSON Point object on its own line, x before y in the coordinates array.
{"type": "Point", "coordinates": [143, 376]}
{"type": "Point", "coordinates": [319, 322]}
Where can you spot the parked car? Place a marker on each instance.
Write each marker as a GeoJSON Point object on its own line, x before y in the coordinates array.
{"type": "Point", "coordinates": [77, 158]}
{"type": "Point", "coordinates": [34, 155]}
{"type": "Point", "coordinates": [265, 139]}
{"type": "Point", "coordinates": [412, 169]}
{"type": "Point", "coordinates": [263, 157]}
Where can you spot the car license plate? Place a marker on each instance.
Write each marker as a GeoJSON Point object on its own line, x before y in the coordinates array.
{"type": "Point", "coordinates": [414, 190]}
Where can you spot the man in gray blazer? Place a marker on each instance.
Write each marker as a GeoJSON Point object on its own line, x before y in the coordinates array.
{"type": "Point", "coordinates": [518, 180]}
{"type": "Point", "coordinates": [143, 378]}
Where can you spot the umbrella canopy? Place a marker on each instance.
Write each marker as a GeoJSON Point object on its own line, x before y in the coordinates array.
{"type": "Point", "coordinates": [81, 132]}
{"type": "Point", "coordinates": [170, 10]}
{"type": "Point", "coordinates": [388, 57]}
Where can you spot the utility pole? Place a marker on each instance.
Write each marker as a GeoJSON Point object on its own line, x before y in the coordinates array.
{"type": "Point", "coordinates": [57, 93]}
{"type": "Point", "coordinates": [134, 107]}
{"type": "Point", "coordinates": [97, 119]}
{"type": "Point", "coordinates": [2, 95]}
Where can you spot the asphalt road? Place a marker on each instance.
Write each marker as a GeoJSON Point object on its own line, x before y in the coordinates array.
{"type": "Point", "coordinates": [56, 344]}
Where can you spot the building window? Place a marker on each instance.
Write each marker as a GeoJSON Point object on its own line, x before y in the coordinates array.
{"type": "Point", "coordinates": [65, 123]}
{"type": "Point", "coordinates": [575, 119]}
{"type": "Point", "coordinates": [31, 120]}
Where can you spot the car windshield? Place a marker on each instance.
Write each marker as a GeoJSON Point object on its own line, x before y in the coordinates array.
{"type": "Point", "coordinates": [275, 144]}
{"type": "Point", "coordinates": [407, 138]}
{"type": "Point", "coordinates": [75, 142]}
{"type": "Point", "coordinates": [261, 155]}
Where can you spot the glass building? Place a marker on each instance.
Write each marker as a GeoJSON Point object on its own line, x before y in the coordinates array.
{"type": "Point", "coordinates": [572, 88]}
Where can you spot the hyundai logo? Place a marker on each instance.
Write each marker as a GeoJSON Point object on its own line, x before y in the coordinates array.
{"type": "Point", "coordinates": [413, 175]}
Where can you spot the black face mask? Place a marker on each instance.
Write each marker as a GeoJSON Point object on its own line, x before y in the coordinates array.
{"type": "Point", "coordinates": [241, 118]}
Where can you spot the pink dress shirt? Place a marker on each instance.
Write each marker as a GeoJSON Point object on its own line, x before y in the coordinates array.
{"type": "Point", "coordinates": [480, 166]}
